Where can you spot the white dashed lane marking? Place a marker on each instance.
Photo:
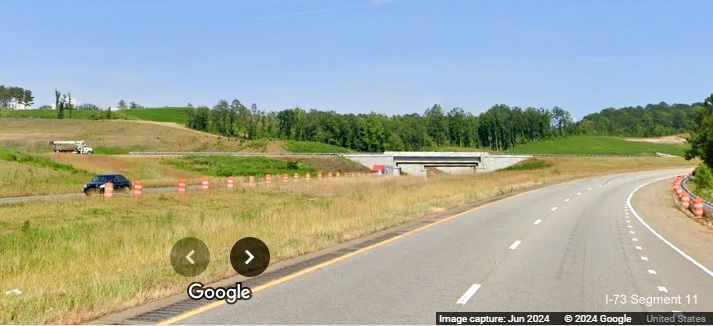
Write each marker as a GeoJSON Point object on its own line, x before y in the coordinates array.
{"type": "Point", "coordinates": [515, 244]}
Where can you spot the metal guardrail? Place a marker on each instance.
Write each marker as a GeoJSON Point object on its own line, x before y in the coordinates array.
{"type": "Point", "coordinates": [708, 205]}
{"type": "Point", "coordinates": [335, 154]}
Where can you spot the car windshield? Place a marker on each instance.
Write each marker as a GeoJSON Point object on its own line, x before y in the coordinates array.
{"type": "Point", "coordinates": [102, 178]}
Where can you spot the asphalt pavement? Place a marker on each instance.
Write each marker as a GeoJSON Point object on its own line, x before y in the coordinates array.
{"type": "Point", "coordinates": [572, 247]}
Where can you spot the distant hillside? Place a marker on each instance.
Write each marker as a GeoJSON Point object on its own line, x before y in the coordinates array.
{"type": "Point", "coordinates": [292, 146]}
{"type": "Point", "coordinates": [597, 145]}
{"type": "Point", "coordinates": [52, 114]}
{"type": "Point", "coordinates": [166, 114]}
{"type": "Point", "coordinates": [109, 136]}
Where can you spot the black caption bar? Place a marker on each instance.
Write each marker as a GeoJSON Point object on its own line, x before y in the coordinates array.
{"type": "Point", "coordinates": [574, 318]}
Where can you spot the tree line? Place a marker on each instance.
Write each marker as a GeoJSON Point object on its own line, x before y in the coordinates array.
{"type": "Point", "coordinates": [652, 120]}
{"type": "Point", "coordinates": [499, 128]}
{"type": "Point", "coordinates": [16, 95]}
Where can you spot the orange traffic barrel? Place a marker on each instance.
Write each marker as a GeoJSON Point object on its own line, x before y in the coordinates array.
{"type": "Point", "coordinates": [251, 182]}
{"type": "Point", "coordinates": [204, 184]}
{"type": "Point", "coordinates": [231, 182]}
{"type": "Point", "coordinates": [268, 179]}
{"type": "Point", "coordinates": [319, 175]}
{"type": "Point", "coordinates": [138, 188]}
{"type": "Point", "coordinates": [698, 207]}
{"type": "Point", "coordinates": [108, 190]}
{"type": "Point", "coordinates": [307, 177]}
{"type": "Point", "coordinates": [686, 200]}
{"type": "Point", "coordinates": [181, 186]}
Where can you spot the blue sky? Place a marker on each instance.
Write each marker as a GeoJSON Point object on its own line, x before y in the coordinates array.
{"type": "Point", "coordinates": [387, 56]}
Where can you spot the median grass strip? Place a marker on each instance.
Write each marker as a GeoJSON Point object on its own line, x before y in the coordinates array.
{"type": "Point", "coordinates": [79, 260]}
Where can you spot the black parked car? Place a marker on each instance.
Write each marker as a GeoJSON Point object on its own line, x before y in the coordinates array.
{"type": "Point", "coordinates": [120, 182]}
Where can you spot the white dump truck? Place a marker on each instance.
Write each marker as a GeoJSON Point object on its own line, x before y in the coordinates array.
{"type": "Point", "coordinates": [71, 146]}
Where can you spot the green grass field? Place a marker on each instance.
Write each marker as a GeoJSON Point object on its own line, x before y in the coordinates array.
{"type": "Point", "coordinates": [313, 147]}
{"type": "Point", "coordinates": [259, 166]}
{"type": "Point", "coordinates": [52, 114]}
{"type": "Point", "coordinates": [177, 115]}
{"type": "Point", "coordinates": [597, 145]}
{"type": "Point", "coordinates": [292, 146]}
{"type": "Point", "coordinates": [167, 114]}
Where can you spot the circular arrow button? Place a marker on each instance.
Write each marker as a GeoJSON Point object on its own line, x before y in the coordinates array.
{"type": "Point", "coordinates": [190, 256]}
{"type": "Point", "coordinates": [250, 257]}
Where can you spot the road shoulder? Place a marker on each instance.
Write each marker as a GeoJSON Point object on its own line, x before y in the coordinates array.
{"type": "Point", "coordinates": [657, 205]}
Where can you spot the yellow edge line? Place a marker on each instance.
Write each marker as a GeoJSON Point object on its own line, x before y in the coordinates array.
{"type": "Point", "coordinates": [283, 279]}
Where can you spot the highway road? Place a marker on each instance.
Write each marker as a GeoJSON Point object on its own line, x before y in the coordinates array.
{"type": "Point", "coordinates": [567, 247]}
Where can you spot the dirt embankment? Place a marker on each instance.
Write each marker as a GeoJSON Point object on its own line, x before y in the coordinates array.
{"type": "Point", "coordinates": [676, 139]}
{"type": "Point", "coordinates": [657, 205]}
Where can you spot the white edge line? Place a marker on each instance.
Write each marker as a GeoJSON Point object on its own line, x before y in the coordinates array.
{"type": "Point", "coordinates": [537, 222]}
{"type": "Point", "coordinates": [566, 199]}
{"type": "Point", "coordinates": [468, 294]}
{"type": "Point", "coordinates": [554, 208]}
{"type": "Point", "coordinates": [515, 244]}
{"type": "Point", "coordinates": [679, 251]}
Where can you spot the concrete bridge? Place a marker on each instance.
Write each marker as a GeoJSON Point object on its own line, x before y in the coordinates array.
{"type": "Point", "coordinates": [417, 163]}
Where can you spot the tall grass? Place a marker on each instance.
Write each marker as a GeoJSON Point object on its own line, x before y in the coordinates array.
{"type": "Point", "coordinates": [107, 255]}
{"type": "Point", "coordinates": [243, 166]}
{"type": "Point", "coordinates": [313, 147]}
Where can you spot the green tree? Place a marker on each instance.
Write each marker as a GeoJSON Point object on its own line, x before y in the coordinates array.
{"type": "Point", "coordinates": [58, 104]}
{"type": "Point", "coordinates": [701, 139]}
{"type": "Point", "coordinates": [121, 105]}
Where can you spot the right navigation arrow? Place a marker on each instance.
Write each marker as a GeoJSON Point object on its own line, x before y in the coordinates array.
{"type": "Point", "coordinates": [249, 255]}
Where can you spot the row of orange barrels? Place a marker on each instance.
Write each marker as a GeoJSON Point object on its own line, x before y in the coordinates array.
{"type": "Point", "coordinates": [205, 183]}
{"type": "Point", "coordinates": [697, 206]}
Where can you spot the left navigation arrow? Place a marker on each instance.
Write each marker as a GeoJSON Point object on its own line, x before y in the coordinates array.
{"type": "Point", "coordinates": [189, 257]}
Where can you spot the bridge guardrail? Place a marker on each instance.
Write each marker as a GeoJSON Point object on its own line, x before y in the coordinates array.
{"type": "Point", "coordinates": [708, 205]}
{"type": "Point", "coordinates": [362, 153]}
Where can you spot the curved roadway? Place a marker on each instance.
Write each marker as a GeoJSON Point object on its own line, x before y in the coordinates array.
{"type": "Point", "coordinates": [568, 247]}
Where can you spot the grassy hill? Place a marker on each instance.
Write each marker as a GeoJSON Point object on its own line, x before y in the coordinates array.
{"type": "Point", "coordinates": [282, 146]}
{"type": "Point", "coordinates": [166, 114]}
{"type": "Point", "coordinates": [52, 114]}
{"type": "Point", "coordinates": [109, 136]}
{"type": "Point", "coordinates": [177, 115]}
{"type": "Point", "coordinates": [597, 145]}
